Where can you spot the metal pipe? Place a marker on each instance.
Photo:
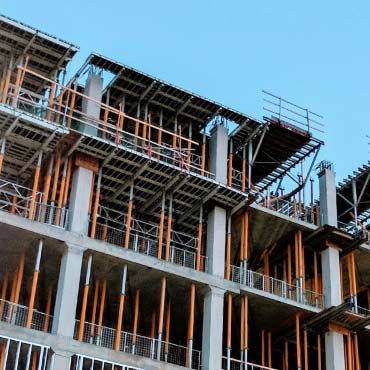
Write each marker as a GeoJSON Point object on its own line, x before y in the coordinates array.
{"type": "Point", "coordinates": [191, 325]}
{"type": "Point", "coordinates": [47, 310]}
{"type": "Point", "coordinates": [305, 344]}
{"type": "Point", "coordinates": [161, 316]}
{"type": "Point", "coordinates": [117, 345]}
{"type": "Point", "coordinates": [318, 352]}
{"type": "Point", "coordinates": [35, 187]}
{"type": "Point", "coordinates": [61, 192]}
{"type": "Point", "coordinates": [168, 325]}
{"type": "Point", "coordinates": [84, 300]}
{"type": "Point", "coordinates": [95, 304]}
{"type": "Point", "coordinates": [169, 229]}
{"type": "Point", "coordinates": [96, 205]}
{"type": "Point", "coordinates": [199, 240]}
{"type": "Point", "coordinates": [298, 342]}
{"type": "Point", "coordinates": [129, 214]}
{"type": "Point", "coordinates": [56, 175]}
{"type": "Point", "coordinates": [136, 318]}
{"type": "Point", "coordinates": [230, 164]}
{"type": "Point", "coordinates": [228, 248]}
{"type": "Point", "coordinates": [161, 225]}
{"type": "Point", "coordinates": [34, 286]}
{"type": "Point", "coordinates": [2, 153]}
{"type": "Point", "coordinates": [101, 308]}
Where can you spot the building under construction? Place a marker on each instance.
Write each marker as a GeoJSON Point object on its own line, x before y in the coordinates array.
{"type": "Point", "coordinates": [144, 227]}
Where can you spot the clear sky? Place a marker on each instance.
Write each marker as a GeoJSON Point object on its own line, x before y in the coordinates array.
{"type": "Point", "coordinates": [315, 53]}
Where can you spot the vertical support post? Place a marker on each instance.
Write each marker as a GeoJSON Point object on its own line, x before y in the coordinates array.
{"type": "Point", "coordinates": [137, 125]}
{"type": "Point", "coordinates": [298, 342]}
{"type": "Point", "coordinates": [159, 141]}
{"type": "Point", "coordinates": [51, 101]}
{"type": "Point", "coordinates": [246, 328]}
{"type": "Point", "coordinates": [35, 187]}
{"type": "Point", "coordinates": [349, 352]}
{"type": "Point", "coordinates": [305, 344]}
{"type": "Point", "coordinates": [286, 354]}
{"type": "Point", "coordinates": [34, 286]}
{"type": "Point", "coordinates": [190, 327]}
{"type": "Point", "coordinates": [136, 319]}
{"type": "Point", "coordinates": [161, 316]}
{"type": "Point", "coordinates": [316, 279]}
{"type": "Point", "coordinates": [61, 192]}
{"type": "Point", "coordinates": [2, 153]}
{"type": "Point", "coordinates": [4, 289]}
{"type": "Point", "coordinates": [168, 324]}
{"type": "Point", "coordinates": [244, 169]}
{"type": "Point", "coordinates": [269, 355]}
{"type": "Point", "coordinates": [188, 157]}
{"type": "Point", "coordinates": [230, 167]}
{"type": "Point", "coordinates": [96, 205]}
{"type": "Point", "coordinates": [229, 327]}
{"type": "Point", "coordinates": [318, 352]}
{"type": "Point", "coordinates": [56, 176]}
{"type": "Point", "coordinates": [93, 314]}
{"type": "Point", "coordinates": [228, 249]}
{"type": "Point", "coordinates": [161, 226]}
{"type": "Point", "coordinates": [47, 181]}
{"type": "Point", "coordinates": [199, 240]}
{"type": "Point", "coordinates": [242, 326]}
{"type": "Point", "coordinates": [129, 214]}
{"type": "Point", "coordinates": [84, 300]}
{"type": "Point", "coordinates": [169, 230]}
{"type": "Point", "coordinates": [263, 355]}
{"type": "Point", "coordinates": [117, 344]}
{"type": "Point", "coordinates": [47, 310]}
{"type": "Point", "coordinates": [250, 164]}
{"type": "Point", "coordinates": [203, 154]}
{"type": "Point", "coordinates": [357, 354]}
{"type": "Point", "coordinates": [101, 308]}
{"type": "Point", "coordinates": [7, 80]}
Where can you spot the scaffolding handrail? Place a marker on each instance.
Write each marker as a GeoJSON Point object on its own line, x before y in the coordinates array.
{"type": "Point", "coordinates": [277, 287]}
{"type": "Point", "coordinates": [236, 364]}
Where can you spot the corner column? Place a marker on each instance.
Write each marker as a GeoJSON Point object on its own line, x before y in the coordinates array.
{"type": "Point", "coordinates": [212, 328]}
{"type": "Point", "coordinates": [67, 293]}
{"type": "Point", "coordinates": [331, 277]}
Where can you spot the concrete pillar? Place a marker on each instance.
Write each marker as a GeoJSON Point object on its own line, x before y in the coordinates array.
{"type": "Point", "coordinates": [328, 198]}
{"type": "Point", "coordinates": [67, 293]}
{"type": "Point", "coordinates": [60, 361]}
{"type": "Point", "coordinates": [334, 351]}
{"type": "Point", "coordinates": [93, 89]}
{"type": "Point", "coordinates": [331, 277]}
{"type": "Point", "coordinates": [216, 239]}
{"type": "Point", "coordinates": [79, 200]}
{"type": "Point", "coordinates": [218, 153]}
{"type": "Point", "coordinates": [212, 329]}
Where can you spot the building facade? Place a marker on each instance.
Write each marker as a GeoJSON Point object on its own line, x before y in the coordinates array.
{"type": "Point", "coordinates": [145, 227]}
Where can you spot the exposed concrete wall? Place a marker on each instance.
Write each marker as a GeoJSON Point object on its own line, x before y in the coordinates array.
{"type": "Point", "coordinates": [79, 200]}
{"type": "Point", "coordinates": [67, 293]}
{"type": "Point", "coordinates": [328, 198]}
{"type": "Point", "coordinates": [212, 329]}
{"type": "Point", "coordinates": [334, 351]}
{"type": "Point", "coordinates": [61, 361]}
{"type": "Point", "coordinates": [218, 153]}
{"type": "Point", "coordinates": [216, 239]}
{"type": "Point", "coordinates": [93, 89]}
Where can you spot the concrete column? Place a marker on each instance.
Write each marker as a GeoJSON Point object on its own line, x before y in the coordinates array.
{"type": "Point", "coordinates": [218, 153]}
{"type": "Point", "coordinates": [60, 361]}
{"type": "Point", "coordinates": [331, 277]}
{"type": "Point", "coordinates": [67, 293]}
{"type": "Point", "coordinates": [93, 89]}
{"type": "Point", "coordinates": [328, 198]}
{"type": "Point", "coordinates": [79, 200]}
{"type": "Point", "coordinates": [212, 329]}
{"type": "Point", "coordinates": [216, 239]}
{"type": "Point", "coordinates": [334, 351]}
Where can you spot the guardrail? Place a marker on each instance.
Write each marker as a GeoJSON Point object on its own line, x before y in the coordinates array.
{"type": "Point", "coordinates": [293, 209]}
{"type": "Point", "coordinates": [139, 345]}
{"type": "Point", "coordinates": [276, 287]}
{"type": "Point", "coordinates": [16, 314]}
{"type": "Point", "coordinates": [234, 364]}
{"type": "Point", "coordinates": [149, 246]}
{"type": "Point", "coordinates": [16, 199]}
{"type": "Point", "coordinates": [79, 362]}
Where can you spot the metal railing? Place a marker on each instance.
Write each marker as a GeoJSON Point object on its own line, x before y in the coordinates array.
{"type": "Point", "coordinates": [293, 209]}
{"type": "Point", "coordinates": [16, 314]}
{"type": "Point", "coordinates": [276, 287]}
{"type": "Point", "coordinates": [234, 364]}
{"type": "Point", "coordinates": [16, 199]}
{"type": "Point", "coordinates": [19, 354]}
{"type": "Point", "coordinates": [148, 245]}
{"type": "Point", "coordinates": [138, 345]}
{"type": "Point", "coordinates": [82, 362]}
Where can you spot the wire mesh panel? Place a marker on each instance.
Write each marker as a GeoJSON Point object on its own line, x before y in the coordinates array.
{"type": "Point", "coordinates": [23, 355]}
{"type": "Point", "coordinates": [81, 362]}
{"type": "Point", "coordinates": [276, 287]}
{"type": "Point", "coordinates": [16, 314]}
{"type": "Point", "coordinates": [234, 364]}
{"type": "Point", "coordinates": [138, 345]}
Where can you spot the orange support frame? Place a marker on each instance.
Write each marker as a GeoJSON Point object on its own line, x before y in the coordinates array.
{"type": "Point", "coordinates": [96, 206]}
{"type": "Point", "coordinates": [190, 325]}
{"type": "Point", "coordinates": [199, 240]}
{"type": "Point", "coordinates": [168, 327]}
{"type": "Point", "coordinates": [129, 215]}
{"type": "Point", "coordinates": [169, 230]}
{"type": "Point", "coordinates": [34, 286]}
{"type": "Point", "coordinates": [228, 249]}
{"type": "Point", "coordinates": [84, 301]}
{"type": "Point", "coordinates": [298, 341]}
{"type": "Point", "coordinates": [161, 226]}
{"type": "Point", "coordinates": [117, 344]}
{"type": "Point", "coordinates": [136, 316]}
{"type": "Point", "coordinates": [35, 187]}
{"type": "Point", "coordinates": [48, 309]}
{"type": "Point", "coordinates": [229, 319]}
{"type": "Point", "coordinates": [2, 153]}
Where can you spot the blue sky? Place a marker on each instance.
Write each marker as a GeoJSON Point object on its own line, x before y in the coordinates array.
{"type": "Point", "coordinates": [315, 53]}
